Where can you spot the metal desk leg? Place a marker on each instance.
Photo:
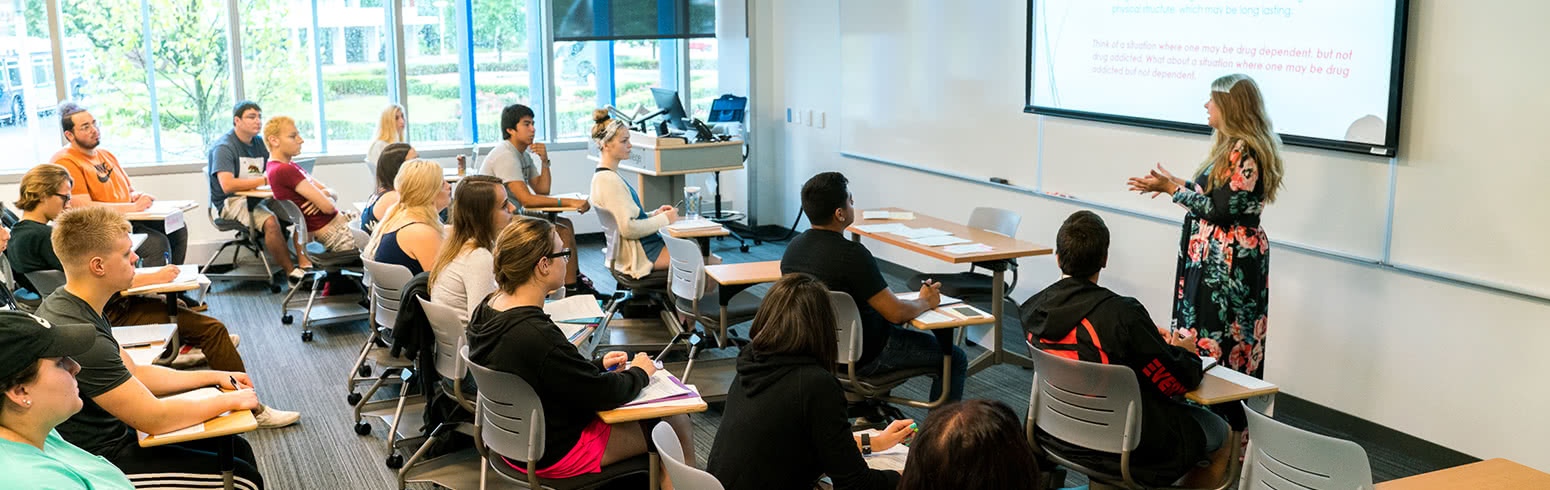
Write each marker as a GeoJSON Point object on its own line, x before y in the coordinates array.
{"type": "Point", "coordinates": [228, 463]}
{"type": "Point", "coordinates": [172, 307]}
{"type": "Point", "coordinates": [704, 242]}
{"type": "Point", "coordinates": [995, 353]}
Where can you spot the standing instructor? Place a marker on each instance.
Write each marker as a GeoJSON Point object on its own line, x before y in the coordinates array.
{"type": "Point", "coordinates": [1223, 292]}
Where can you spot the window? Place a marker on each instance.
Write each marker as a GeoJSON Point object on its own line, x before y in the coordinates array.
{"type": "Point", "coordinates": [277, 69]}
{"type": "Point", "coordinates": [703, 79]}
{"type": "Point", "coordinates": [502, 56]}
{"type": "Point", "coordinates": [26, 91]}
{"type": "Point", "coordinates": [109, 34]}
{"type": "Point", "coordinates": [193, 75]}
{"type": "Point", "coordinates": [355, 73]}
{"type": "Point", "coordinates": [435, 108]}
{"type": "Point", "coordinates": [622, 71]}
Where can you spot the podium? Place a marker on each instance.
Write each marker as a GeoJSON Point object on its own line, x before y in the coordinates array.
{"type": "Point", "coordinates": [657, 166]}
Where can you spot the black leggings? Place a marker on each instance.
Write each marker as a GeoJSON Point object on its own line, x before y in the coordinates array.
{"type": "Point", "coordinates": [160, 245]}
{"type": "Point", "coordinates": [188, 465]}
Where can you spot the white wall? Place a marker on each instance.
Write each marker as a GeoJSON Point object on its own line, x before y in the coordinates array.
{"type": "Point", "coordinates": [1452, 364]}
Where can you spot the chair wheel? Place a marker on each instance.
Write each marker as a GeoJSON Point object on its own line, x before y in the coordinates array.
{"type": "Point", "coordinates": [306, 336]}
{"type": "Point", "coordinates": [362, 428]}
{"type": "Point", "coordinates": [354, 399]}
{"type": "Point", "coordinates": [286, 319]}
{"type": "Point", "coordinates": [364, 371]}
{"type": "Point", "coordinates": [758, 242]}
{"type": "Point", "coordinates": [743, 248]}
{"type": "Point", "coordinates": [395, 462]}
{"type": "Point", "coordinates": [273, 289]}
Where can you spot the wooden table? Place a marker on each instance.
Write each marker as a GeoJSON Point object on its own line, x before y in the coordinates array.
{"type": "Point", "coordinates": [701, 237]}
{"type": "Point", "coordinates": [451, 175]}
{"type": "Point", "coordinates": [552, 213]}
{"type": "Point", "coordinates": [734, 278]}
{"type": "Point", "coordinates": [147, 215]}
{"type": "Point", "coordinates": [1002, 247]}
{"type": "Point", "coordinates": [225, 427]}
{"type": "Point", "coordinates": [1491, 474]}
{"type": "Point", "coordinates": [262, 192]}
{"type": "Point", "coordinates": [619, 415]}
{"type": "Point", "coordinates": [170, 290]}
{"type": "Point", "coordinates": [1222, 385]}
{"type": "Point", "coordinates": [955, 319]}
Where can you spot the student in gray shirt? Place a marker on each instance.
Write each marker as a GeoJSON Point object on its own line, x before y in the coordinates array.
{"type": "Point", "coordinates": [236, 164]}
{"type": "Point", "coordinates": [526, 187]}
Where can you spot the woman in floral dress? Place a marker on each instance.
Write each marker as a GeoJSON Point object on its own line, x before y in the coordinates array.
{"type": "Point", "coordinates": [1222, 287]}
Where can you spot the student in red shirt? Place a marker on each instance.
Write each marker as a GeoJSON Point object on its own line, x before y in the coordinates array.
{"type": "Point", "coordinates": [325, 222]}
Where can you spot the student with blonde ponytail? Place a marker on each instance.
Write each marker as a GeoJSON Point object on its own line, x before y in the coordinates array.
{"type": "Point", "coordinates": [1222, 285]}
{"type": "Point", "coordinates": [640, 249]}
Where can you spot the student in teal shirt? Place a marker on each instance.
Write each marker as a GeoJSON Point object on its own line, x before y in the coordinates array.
{"type": "Point", "coordinates": [37, 392]}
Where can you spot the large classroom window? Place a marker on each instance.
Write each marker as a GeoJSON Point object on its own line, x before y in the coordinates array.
{"type": "Point", "coordinates": [27, 90]}
{"type": "Point", "coordinates": [161, 76]}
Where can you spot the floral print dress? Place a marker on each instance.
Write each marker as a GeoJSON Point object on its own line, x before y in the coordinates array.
{"type": "Point", "coordinates": [1224, 266]}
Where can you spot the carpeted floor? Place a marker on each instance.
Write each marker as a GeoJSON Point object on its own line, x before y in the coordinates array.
{"type": "Point", "coordinates": [323, 452]}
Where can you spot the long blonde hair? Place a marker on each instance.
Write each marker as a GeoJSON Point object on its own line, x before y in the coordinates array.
{"type": "Point", "coordinates": [1244, 119]}
{"type": "Point", "coordinates": [387, 125]}
{"type": "Point", "coordinates": [418, 182]}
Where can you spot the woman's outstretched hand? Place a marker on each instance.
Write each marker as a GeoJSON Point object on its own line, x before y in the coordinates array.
{"type": "Point", "coordinates": [1158, 181]}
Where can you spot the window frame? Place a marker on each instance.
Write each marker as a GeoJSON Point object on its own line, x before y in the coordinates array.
{"type": "Point", "coordinates": [675, 66]}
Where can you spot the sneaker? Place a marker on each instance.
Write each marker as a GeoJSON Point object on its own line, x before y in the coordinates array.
{"type": "Point", "coordinates": [188, 357]}
{"type": "Point", "coordinates": [296, 275]}
{"type": "Point", "coordinates": [273, 418]}
{"type": "Point", "coordinates": [236, 340]}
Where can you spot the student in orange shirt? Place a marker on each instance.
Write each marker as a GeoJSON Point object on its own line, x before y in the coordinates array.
{"type": "Point", "coordinates": [100, 181]}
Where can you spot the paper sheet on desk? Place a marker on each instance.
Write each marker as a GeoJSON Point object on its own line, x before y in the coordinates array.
{"type": "Point", "coordinates": [932, 316]}
{"type": "Point", "coordinates": [570, 195]}
{"type": "Point", "coordinates": [143, 335]}
{"type": "Point", "coordinates": [967, 248]}
{"type": "Point", "coordinates": [908, 232]}
{"type": "Point", "coordinates": [186, 273]}
{"type": "Point", "coordinates": [694, 225]}
{"type": "Point", "coordinates": [945, 299]}
{"type": "Point", "coordinates": [1240, 379]}
{"type": "Point", "coordinates": [892, 459]}
{"type": "Point", "coordinates": [173, 222]}
{"type": "Point", "coordinates": [905, 215]}
{"type": "Point", "coordinates": [883, 228]}
{"type": "Point", "coordinates": [662, 387]}
{"type": "Point", "coordinates": [572, 308]}
{"type": "Point", "coordinates": [936, 241]}
{"type": "Point", "coordinates": [164, 206]}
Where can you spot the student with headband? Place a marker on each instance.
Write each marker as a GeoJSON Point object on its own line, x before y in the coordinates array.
{"type": "Point", "coordinates": [640, 249]}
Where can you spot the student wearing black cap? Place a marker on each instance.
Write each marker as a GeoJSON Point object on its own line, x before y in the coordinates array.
{"type": "Point", "coordinates": [38, 392]}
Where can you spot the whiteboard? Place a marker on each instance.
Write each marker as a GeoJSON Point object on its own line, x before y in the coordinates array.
{"type": "Point", "coordinates": [932, 84]}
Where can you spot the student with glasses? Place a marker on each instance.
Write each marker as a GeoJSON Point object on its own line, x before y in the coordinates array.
{"type": "Point", "coordinates": [509, 332]}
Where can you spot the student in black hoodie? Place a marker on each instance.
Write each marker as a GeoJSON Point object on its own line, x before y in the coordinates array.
{"type": "Point", "coordinates": [784, 424]}
{"type": "Point", "coordinates": [509, 332]}
{"type": "Point", "coordinates": [1078, 319]}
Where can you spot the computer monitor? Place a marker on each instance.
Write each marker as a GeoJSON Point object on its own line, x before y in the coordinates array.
{"type": "Point", "coordinates": [667, 100]}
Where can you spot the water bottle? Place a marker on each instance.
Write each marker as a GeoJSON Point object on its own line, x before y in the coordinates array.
{"type": "Point", "coordinates": [691, 202]}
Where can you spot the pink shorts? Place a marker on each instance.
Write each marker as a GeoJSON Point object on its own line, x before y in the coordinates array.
{"type": "Point", "coordinates": [585, 457]}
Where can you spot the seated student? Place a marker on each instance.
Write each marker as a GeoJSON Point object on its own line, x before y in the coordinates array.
{"type": "Point", "coordinates": [465, 267]}
{"type": "Point", "coordinates": [411, 233]}
{"type": "Point", "coordinates": [104, 183]}
{"type": "Point", "coordinates": [509, 332]}
{"type": "Point", "coordinates": [640, 249]}
{"type": "Point", "coordinates": [786, 406]}
{"type": "Point", "coordinates": [390, 130]}
{"type": "Point", "coordinates": [37, 392]}
{"type": "Point", "coordinates": [393, 156]}
{"type": "Point", "coordinates": [325, 222]}
{"type": "Point", "coordinates": [121, 396]}
{"type": "Point", "coordinates": [528, 188]}
{"type": "Point", "coordinates": [1078, 319]}
{"type": "Point", "coordinates": [971, 445]}
{"type": "Point", "coordinates": [847, 266]}
{"type": "Point", "coordinates": [242, 152]}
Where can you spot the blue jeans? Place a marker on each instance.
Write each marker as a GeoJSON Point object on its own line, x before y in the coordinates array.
{"type": "Point", "coordinates": [908, 349]}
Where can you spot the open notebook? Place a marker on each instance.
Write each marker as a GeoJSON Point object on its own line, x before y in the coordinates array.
{"type": "Point", "coordinates": [187, 273]}
{"type": "Point", "coordinates": [662, 387]}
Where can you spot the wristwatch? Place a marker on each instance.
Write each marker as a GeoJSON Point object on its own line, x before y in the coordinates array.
{"type": "Point", "coordinates": [866, 444]}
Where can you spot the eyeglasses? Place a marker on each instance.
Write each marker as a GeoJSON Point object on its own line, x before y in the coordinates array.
{"type": "Point", "coordinates": [64, 197]}
{"type": "Point", "coordinates": [565, 253]}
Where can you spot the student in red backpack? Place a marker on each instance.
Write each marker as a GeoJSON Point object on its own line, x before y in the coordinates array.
{"type": "Point", "coordinates": [1078, 319]}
